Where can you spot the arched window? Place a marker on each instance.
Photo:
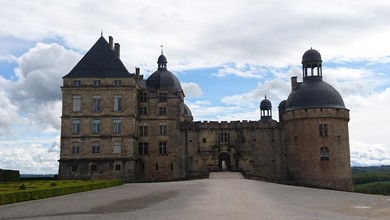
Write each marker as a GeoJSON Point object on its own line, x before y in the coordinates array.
{"type": "Point", "coordinates": [324, 153]}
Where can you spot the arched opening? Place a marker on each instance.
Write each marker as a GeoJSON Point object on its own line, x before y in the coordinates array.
{"type": "Point", "coordinates": [224, 162]}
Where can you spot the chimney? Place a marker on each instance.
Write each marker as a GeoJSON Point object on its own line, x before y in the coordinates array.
{"type": "Point", "coordinates": [294, 83]}
{"type": "Point", "coordinates": [111, 42]}
{"type": "Point", "coordinates": [117, 49]}
{"type": "Point", "coordinates": [137, 71]}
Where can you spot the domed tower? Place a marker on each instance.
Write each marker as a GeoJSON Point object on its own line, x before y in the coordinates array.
{"type": "Point", "coordinates": [165, 86]}
{"type": "Point", "coordinates": [265, 109]}
{"type": "Point", "coordinates": [161, 113]}
{"type": "Point", "coordinates": [315, 122]}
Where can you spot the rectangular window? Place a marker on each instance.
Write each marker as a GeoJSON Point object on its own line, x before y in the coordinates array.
{"type": "Point", "coordinates": [324, 153]}
{"type": "Point", "coordinates": [76, 103]}
{"type": "Point", "coordinates": [117, 148]}
{"type": "Point", "coordinates": [323, 130]}
{"type": "Point", "coordinates": [74, 168]}
{"type": "Point", "coordinates": [117, 167]}
{"type": "Point", "coordinates": [204, 140]}
{"type": "Point", "coordinates": [117, 83]}
{"type": "Point", "coordinates": [93, 167]}
{"type": "Point", "coordinates": [143, 148]}
{"type": "Point", "coordinates": [143, 130]}
{"type": "Point", "coordinates": [162, 129]}
{"type": "Point", "coordinates": [96, 149]}
{"type": "Point", "coordinates": [97, 103]}
{"type": "Point", "coordinates": [96, 83]}
{"type": "Point", "coordinates": [75, 126]}
{"type": "Point", "coordinates": [117, 126]}
{"type": "Point", "coordinates": [163, 147]}
{"type": "Point", "coordinates": [95, 126]}
{"type": "Point", "coordinates": [117, 103]}
{"type": "Point", "coordinates": [224, 137]}
{"type": "Point", "coordinates": [143, 111]}
{"type": "Point", "coordinates": [75, 148]}
{"type": "Point", "coordinates": [162, 97]}
{"type": "Point", "coordinates": [76, 83]}
{"type": "Point", "coordinates": [143, 97]}
{"type": "Point", "coordinates": [162, 110]}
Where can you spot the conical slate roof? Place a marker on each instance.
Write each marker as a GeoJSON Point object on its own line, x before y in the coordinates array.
{"type": "Point", "coordinates": [99, 62]}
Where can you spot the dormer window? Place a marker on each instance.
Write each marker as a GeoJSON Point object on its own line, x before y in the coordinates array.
{"type": "Point", "coordinates": [162, 97]}
{"type": "Point", "coordinates": [118, 83]}
{"type": "Point", "coordinates": [96, 83]}
{"type": "Point", "coordinates": [76, 83]}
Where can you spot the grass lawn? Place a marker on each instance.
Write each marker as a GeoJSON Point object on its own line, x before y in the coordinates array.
{"type": "Point", "coordinates": [376, 182]}
{"type": "Point", "coordinates": [11, 192]}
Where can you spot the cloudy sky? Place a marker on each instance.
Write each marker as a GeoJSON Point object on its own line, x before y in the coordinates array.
{"type": "Point", "coordinates": [227, 54]}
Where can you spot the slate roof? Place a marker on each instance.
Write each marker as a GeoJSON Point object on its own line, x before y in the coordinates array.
{"type": "Point", "coordinates": [311, 57]}
{"type": "Point", "coordinates": [162, 78]}
{"type": "Point", "coordinates": [99, 62]}
{"type": "Point", "coordinates": [265, 104]}
{"type": "Point", "coordinates": [314, 93]}
{"type": "Point", "coordinates": [187, 111]}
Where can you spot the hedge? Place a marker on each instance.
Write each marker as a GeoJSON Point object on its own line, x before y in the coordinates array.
{"type": "Point", "coordinates": [30, 193]}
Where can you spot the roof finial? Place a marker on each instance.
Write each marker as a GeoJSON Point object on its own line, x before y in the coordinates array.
{"type": "Point", "coordinates": [162, 49]}
{"type": "Point", "coordinates": [265, 96]}
{"type": "Point", "coordinates": [101, 33]}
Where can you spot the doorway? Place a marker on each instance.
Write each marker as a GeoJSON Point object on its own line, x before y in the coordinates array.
{"type": "Point", "coordinates": [224, 162]}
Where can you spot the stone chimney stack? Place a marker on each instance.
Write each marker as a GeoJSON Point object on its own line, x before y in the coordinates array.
{"type": "Point", "coordinates": [117, 49]}
{"type": "Point", "coordinates": [294, 83]}
{"type": "Point", "coordinates": [111, 42]}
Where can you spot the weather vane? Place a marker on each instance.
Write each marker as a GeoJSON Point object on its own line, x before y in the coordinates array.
{"type": "Point", "coordinates": [162, 50]}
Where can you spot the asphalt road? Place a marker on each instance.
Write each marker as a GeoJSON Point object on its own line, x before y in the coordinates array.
{"type": "Point", "coordinates": [223, 196]}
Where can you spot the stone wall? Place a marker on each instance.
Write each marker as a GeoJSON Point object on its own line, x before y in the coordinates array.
{"type": "Point", "coordinates": [305, 162]}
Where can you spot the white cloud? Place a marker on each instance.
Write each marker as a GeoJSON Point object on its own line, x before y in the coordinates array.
{"type": "Point", "coordinates": [8, 111]}
{"type": "Point", "coordinates": [369, 121]}
{"type": "Point", "coordinates": [36, 92]}
{"type": "Point", "coordinates": [192, 89]}
{"type": "Point", "coordinates": [193, 34]}
{"type": "Point", "coordinates": [34, 158]}
{"type": "Point", "coordinates": [363, 154]}
{"type": "Point", "coordinates": [276, 91]}
{"type": "Point", "coordinates": [246, 70]}
{"type": "Point", "coordinates": [40, 71]}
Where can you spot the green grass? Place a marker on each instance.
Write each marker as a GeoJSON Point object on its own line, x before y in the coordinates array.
{"type": "Point", "coordinates": [11, 192]}
{"type": "Point", "coordinates": [372, 182]}
{"type": "Point", "coordinates": [382, 188]}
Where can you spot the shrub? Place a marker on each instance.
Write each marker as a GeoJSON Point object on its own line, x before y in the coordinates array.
{"type": "Point", "coordinates": [41, 190]}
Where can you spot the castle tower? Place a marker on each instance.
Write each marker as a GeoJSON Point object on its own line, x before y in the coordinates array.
{"type": "Point", "coordinates": [161, 108]}
{"type": "Point", "coordinates": [315, 122]}
{"type": "Point", "coordinates": [265, 109]}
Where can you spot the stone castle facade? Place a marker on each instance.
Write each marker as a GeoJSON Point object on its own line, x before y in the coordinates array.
{"type": "Point", "coordinates": [115, 124]}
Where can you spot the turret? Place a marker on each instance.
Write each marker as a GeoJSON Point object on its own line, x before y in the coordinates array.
{"type": "Point", "coordinates": [315, 122]}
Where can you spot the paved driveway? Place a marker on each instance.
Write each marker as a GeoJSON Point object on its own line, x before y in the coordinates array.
{"type": "Point", "coordinates": [223, 196]}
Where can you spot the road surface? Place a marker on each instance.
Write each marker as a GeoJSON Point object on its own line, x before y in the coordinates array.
{"type": "Point", "coordinates": [223, 196]}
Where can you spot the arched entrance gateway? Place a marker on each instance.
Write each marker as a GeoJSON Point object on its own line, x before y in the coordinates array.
{"type": "Point", "coordinates": [224, 162]}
